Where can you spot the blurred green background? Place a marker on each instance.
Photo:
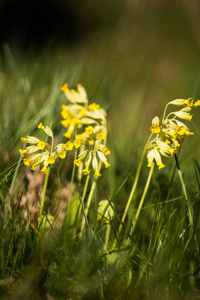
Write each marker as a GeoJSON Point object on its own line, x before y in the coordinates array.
{"type": "Point", "coordinates": [131, 56]}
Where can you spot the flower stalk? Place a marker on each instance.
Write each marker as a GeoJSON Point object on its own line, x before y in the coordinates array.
{"type": "Point", "coordinates": [43, 198]}
{"type": "Point", "coordinates": [189, 206]}
{"type": "Point", "coordinates": [141, 202]}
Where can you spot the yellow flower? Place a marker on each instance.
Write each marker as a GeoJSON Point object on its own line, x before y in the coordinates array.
{"type": "Point", "coordinates": [160, 165]}
{"type": "Point", "coordinates": [65, 123]}
{"type": "Point", "coordinates": [177, 102]}
{"type": "Point", "coordinates": [89, 130]}
{"type": "Point", "coordinates": [68, 134]}
{"type": "Point", "coordinates": [155, 128]}
{"type": "Point", "coordinates": [69, 146]}
{"type": "Point", "coordinates": [189, 133]}
{"type": "Point", "coordinates": [26, 161]}
{"type": "Point", "coordinates": [23, 139]}
{"type": "Point", "coordinates": [86, 171]}
{"type": "Point", "coordinates": [91, 142]}
{"type": "Point", "coordinates": [189, 102]}
{"type": "Point", "coordinates": [51, 160]}
{"type": "Point", "coordinates": [152, 155]}
{"type": "Point", "coordinates": [79, 136]}
{"type": "Point", "coordinates": [94, 106]}
{"type": "Point", "coordinates": [172, 151]}
{"type": "Point", "coordinates": [41, 126]}
{"type": "Point", "coordinates": [77, 143]}
{"type": "Point", "coordinates": [64, 112]}
{"type": "Point", "coordinates": [74, 121]}
{"type": "Point", "coordinates": [33, 166]}
{"type": "Point", "coordinates": [41, 145]}
{"type": "Point", "coordinates": [155, 125]}
{"type": "Point", "coordinates": [106, 151]}
{"type": "Point", "coordinates": [101, 135]}
{"type": "Point", "coordinates": [107, 164]}
{"type": "Point", "coordinates": [22, 152]}
{"type": "Point", "coordinates": [62, 154]}
{"type": "Point", "coordinates": [64, 88]}
{"type": "Point", "coordinates": [183, 114]}
{"type": "Point", "coordinates": [176, 143]}
{"type": "Point", "coordinates": [167, 141]}
{"type": "Point", "coordinates": [181, 130]}
{"type": "Point", "coordinates": [44, 170]}
{"type": "Point", "coordinates": [73, 96]}
{"type": "Point", "coordinates": [197, 103]}
{"type": "Point", "coordinates": [97, 174]}
{"type": "Point", "coordinates": [83, 111]}
{"type": "Point", "coordinates": [78, 161]}
{"type": "Point", "coordinates": [180, 102]}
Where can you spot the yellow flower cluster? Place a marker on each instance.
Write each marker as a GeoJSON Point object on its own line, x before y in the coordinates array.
{"type": "Point", "coordinates": [41, 153]}
{"type": "Point", "coordinates": [170, 131]}
{"type": "Point", "coordinates": [79, 113]}
{"type": "Point", "coordinates": [87, 124]}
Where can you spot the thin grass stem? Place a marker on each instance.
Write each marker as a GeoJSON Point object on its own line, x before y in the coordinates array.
{"type": "Point", "coordinates": [80, 207]}
{"type": "Point", "coordinates": [43, 197]}
{"type": "Point", "coordinates": [185, 193]}
{"type": "Point", "coordinates": [130, 198]}
{"type": "Point", "coordinates": [93, 187]}
{"type": "Point", "coordinates": [141, 201]}
{"type": "Point", "coordinates": [108, 230]}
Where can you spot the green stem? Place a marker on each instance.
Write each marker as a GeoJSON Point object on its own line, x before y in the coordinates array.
{"type": "Point", "coordinates": [80, 168]}
{"type": "Point", "coordinates": [72, 178]}
{"type": "Point", "coordinates": [43, 197]}
{"type": "Point", "coordinates": [185, 193]}
{"type": "Point", "coordinates": [189, 206]}
{"type": "Point", "coordinates": [45, 186]}
{"type": "Point", "coordinates": [142, 201]}
{"type": "Point", "coordinates": [94, 183]}
{"type": "Point", "coordinates": [165, 112]}
{"type": "Point", "coordinates": [108, 229]}
{"type": "Point", "coordinates": [130, 198]}
{"type": "Point", "coordinates": [80, 207]}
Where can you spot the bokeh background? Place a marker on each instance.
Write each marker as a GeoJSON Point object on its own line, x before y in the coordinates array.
{"type": "Point", "coordinates": [132, 56]}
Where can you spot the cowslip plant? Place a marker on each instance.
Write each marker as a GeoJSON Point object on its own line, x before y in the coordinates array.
{"type": "Point", "coordinates": [87, 128]}
{"type": "Point", "coordinates": [41, 154]}
{"type": "Point", "coordinates": [87, 123]}
{"type": "Point", "coordinates": [169, 134]}
{"type": "Point", "coordinates": [166, 137]}
{"type": "Point", "coordinates": [87, 131]}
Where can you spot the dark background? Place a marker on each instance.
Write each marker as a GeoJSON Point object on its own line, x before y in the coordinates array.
{"type": "Point", "coordinates": [33, 23]}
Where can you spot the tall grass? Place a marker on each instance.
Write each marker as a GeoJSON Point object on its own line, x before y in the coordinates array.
{"type": "Point", "coordinates": [132, 77]}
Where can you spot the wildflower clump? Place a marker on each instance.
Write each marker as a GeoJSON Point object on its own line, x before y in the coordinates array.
{"type": "Point", "coordinates": [40, 153]}
{"type": "Point", "coordinates": [168, 134]}
{"type": "Point", "coordinates": [87, 128]}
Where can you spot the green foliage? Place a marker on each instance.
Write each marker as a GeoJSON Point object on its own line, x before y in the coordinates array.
{"type": "Point", "coordinates": [132, 78]}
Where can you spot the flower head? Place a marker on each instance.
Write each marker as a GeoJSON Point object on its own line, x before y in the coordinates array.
{"type": "Point", "coordinates": [88, 123]}
{"type": "Point", "coordinates": [170, 132]}
{"type": "Point", "coordinates": [40, 153]}
{"type": "Point", "coordinates": [79, 114]}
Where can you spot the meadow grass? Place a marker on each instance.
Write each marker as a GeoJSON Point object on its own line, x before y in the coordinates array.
{"type": "Point", "coordinates": [156, 254]}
